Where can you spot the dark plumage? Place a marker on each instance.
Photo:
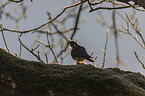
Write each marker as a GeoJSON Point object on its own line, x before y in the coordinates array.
{"type": "Point", "coordinates": [79, 53]}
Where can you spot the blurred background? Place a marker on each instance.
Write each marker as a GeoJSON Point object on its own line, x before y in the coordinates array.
{"type": "Point", "coordinates": [91, 33]}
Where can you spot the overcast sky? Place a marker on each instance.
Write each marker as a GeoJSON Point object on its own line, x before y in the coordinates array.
{"type": "Point", "coordinates": [91, 34]}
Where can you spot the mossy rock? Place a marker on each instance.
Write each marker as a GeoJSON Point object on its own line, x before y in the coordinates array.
{"type": "Point", "coordinates": [20, 77]}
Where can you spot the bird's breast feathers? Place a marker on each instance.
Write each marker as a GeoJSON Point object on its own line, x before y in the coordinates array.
{"type": "Point", "coordinates": [79, 59]}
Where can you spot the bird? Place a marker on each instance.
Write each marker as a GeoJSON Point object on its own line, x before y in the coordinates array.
{"type": "Point", "coordinates": [79, 53]}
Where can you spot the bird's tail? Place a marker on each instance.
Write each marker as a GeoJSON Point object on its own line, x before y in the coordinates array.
{"type": "Point", "coordinates": [91, 60]}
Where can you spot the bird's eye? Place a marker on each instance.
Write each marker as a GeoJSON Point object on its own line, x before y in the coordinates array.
{"type": "Point", "coordinates": [74, 44]}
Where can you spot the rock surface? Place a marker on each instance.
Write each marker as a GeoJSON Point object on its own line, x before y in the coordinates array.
{"type": "Point", "coordinates": [20, 77]}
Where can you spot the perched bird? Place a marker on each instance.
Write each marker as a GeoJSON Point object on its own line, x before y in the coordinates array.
{"type": "Point", "coordinates": [79, 53]}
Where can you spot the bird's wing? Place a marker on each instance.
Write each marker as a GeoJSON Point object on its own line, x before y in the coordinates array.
{"type": "Point", "coordinates": [84, 53]}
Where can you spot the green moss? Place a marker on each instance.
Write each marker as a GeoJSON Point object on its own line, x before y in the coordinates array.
{"type": "Point", "coordinates": [29, 78]}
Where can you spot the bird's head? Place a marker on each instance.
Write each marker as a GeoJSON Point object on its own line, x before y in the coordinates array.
{"type": "Point", "coordinates": [73, 44]}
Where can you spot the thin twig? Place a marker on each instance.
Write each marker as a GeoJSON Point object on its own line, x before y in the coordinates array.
{"type": "Point", "coordinates": [38, 57]}
{"type": "Point", "coordinates": [139, 60]}
{"type": "Point", "coordinates": [96, 3]}
{"type": "Point", "coordinates": [50, 21]}
{"type": "Point", "coordinates": [1, 26]}
{"type": "Point", "coordinates": [53, 33]}
{"type": "Point", "coordinates": [134, 25]}
{"type": "Point", "coordinates": [75, 29]}
{"type": "Point", "coordinates": [16, 54]}
{"type": "Point", "coordinates": [51, 49]}
{"type": "Point", "coordinates": [20, 52]}
{"type": "Point", "coordinates": [104, 56]}
{"type": "Point", "coordinates": [115, 36]}
{"type": "Point", "coordinates": [27, 31]}
{"type": "Point", "coordinates": [56, 28]}
{"type": "Point", "coordinates": [128, 21]}
{"type": "Point", "coordinates": [89, 3]}
{"type": "Point", "coordinates": [49, 46]}
{"type": "Point", "coordinates": [77, 21]}
{"type": "Point", "coordinates": [109, 8]}
{"type": "Point", "coordinates": [46, 57]}
{"type": "Point", "coordinates": [16, 1]}
{"type": "Point", "coordinates": [76, 4]}
{"type": "Point", "coordinates": [35, 47]}
{"type": "Point", "coordinates": [135, 5]}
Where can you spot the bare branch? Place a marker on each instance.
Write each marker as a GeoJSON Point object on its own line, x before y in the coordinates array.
{"type": "Point", "coordinates": [104, 51]}
{"type": "Point", "coordinates": [134, 25]}
{"type": "Point", "coordinates": [37, 56]}
{"type": "Point", "coordinates": [139, 60]}
{"type": "Point", "coordinates": [16, 1]}
{"type": "Point", "coordinates": [109, 8]}
{"type": "Point", "coordinates": [1, 26]}
{"type": "Point", "coordinates": [50, 21]}
{"type": "Point", "coordinates": [49, 46]}
{"type": "Point", "coordinates": [75, 29]}
{"type": "Point", "coordinates": [137, 2]}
